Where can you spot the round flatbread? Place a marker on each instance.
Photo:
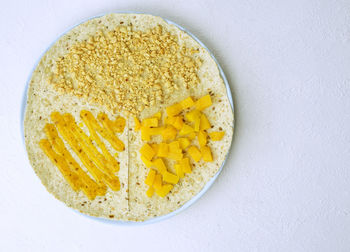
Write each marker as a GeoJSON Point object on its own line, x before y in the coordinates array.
{"type": "Point", "coordinates": [130, 203]}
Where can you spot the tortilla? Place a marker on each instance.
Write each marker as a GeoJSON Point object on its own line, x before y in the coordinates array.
{"type": "Point", "coordinates": [131, 202]}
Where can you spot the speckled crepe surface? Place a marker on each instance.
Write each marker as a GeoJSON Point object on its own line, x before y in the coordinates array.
{"type": "Point", "coordinates": [131, 202]}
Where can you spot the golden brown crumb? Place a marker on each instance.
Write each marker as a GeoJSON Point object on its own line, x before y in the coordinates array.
{"type": "Point", "coordinates": [125, 69]}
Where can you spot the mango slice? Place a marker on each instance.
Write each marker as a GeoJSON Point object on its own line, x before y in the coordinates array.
{"type": "Point", "coordinates": [169, 133]}
{"type": "Point", "coordinates": [202, 138]}
{"type": "Point", "coordinates": [186, 103]}
{"type": "Point", "coordinates": [147, 162]}
{"type": "Point", "coordinates": [147, 151]}
{"type": "Point", "coordinates": [184, 142]}
{"type": "Point", "coordinates": [191, 136]}
{"type": "Point", "coordinates": [194, 153]}
{"type": "Point", "coordinates": [164, 190]}
{"type": "Point", "coordinates": [150, 177]}
{"type": "Point", "coordinates": [178, 123]}
{"type": "Point", "coordinates": [186, 129]}
{"type": "Point", "coordinates": [150, 122]}
{"type": "Point", "coordinates": [203, 102]}
{"type": "Point", "coordinates": [157, 183]}
{"type": "Point", "coordinates": [174, 147]}
{"type": "Point", "coordinates": [175, 156]}
{"type": "Point", "coordinates": [193, 115]}
{"type": "Point", "coordinates": [206, 154]}
{"type": "Point", "coordinates": [150, 192]}
{"type": "Point", "coordinates": [217, 135]}
{"type": "Point", "coordinates": [137, 124]}
{"type": "Point", "coordinates": [204, 124]}
{"type": "Point", "coordinates": [158, 115]}
{"type": "Point", "coordinates": [185, 165]}
{"type": "Point", "coordinates": [173, 110]}
{"type": "Point", "coordinates": [163, 150]}
{"type": "Point", "coordinates": [179, 170]}
{"type": "Point", "coordinates": [170, 120]}
{"type": "Point", "coordinates": [170, 178]}
{"type": "Point", "coordinates": [159, 164]}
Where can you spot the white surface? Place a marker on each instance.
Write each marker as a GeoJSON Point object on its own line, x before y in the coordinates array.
{"type": "Point", "coordinates": [286, 185]}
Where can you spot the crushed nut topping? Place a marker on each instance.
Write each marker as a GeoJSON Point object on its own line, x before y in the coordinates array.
{"type": "Point", "coordinates": [126, 70]}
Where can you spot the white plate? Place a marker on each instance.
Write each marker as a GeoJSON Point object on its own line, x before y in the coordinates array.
{"type": "Point", "coordinates": [207, 185]}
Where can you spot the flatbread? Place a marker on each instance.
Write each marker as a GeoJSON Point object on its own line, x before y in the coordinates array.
{"type": "Point", "coordinates": [131, 202]}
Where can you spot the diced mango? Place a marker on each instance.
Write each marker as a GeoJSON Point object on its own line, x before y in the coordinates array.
{"type": "Point", "coordinates": [197, 123]}
{"type": "Point", "coordinates": [169, 133]}
{"type": "Point", "coordinates": [155, 147]}
{"type": "Point", "coordinates": [170, 120]}
{"type": "Point", "coordinates": [159, 164]}
{"type": "Point", "coordinates": [185, 165]}
{"type": "Point", "coordinates": [150, 122]}
{"type": "Point", "coordinates": [205, 124]}
{"type": "Point", "coordinates": [174, 109]}
{"type": "Point", "coordinates": [147, 162]}
{"type": "Point", "coordinates": [203, 102]}
{"type": "Point", "coordinates": [164, 190]}
{"type": "Point", "coordinates": [175, 156]}
{"type": "Point", "coordinates": [202, 138]}
{"type": "Point", "coordinates": [184, 142]}
{"type": "Point", "coordinates": [206, 154]}
{"type": "Point", "coordinates": [157, 183]}
{"type": "Point", "coordinates": [178, 122]}
{"type": "Point", "coordinates": [145, 136]}
{"type": "Point", "coordinates": [191, 136]}
{"type": "Point", "coordinates": [158, 115]}
{"type": "Point", "coordinates": [194, 153]}
{"type": "Point", "coordinates": [179, 170]}
{"type": "Point", "coordinates": [174, 147]}
{"type": "Point", "coordinates": [188, 102]}
{"type": "Point", "coordinates": [163, 150]}
{"type": "Point", "coordinates": [217, 135]}
{"type": "Point", "coordinates": [170, 178]}
{"type": "Point", "coordinates": [147, 151]}
{"type": "Point", "coordinates": [119, 124]}
{"type": "Point", "coordinates": [193, 115]}
{"type": "Point", "coordinates": [150, 177]}
{"type": "Point", "coordinates": [186, 129]}
{"type": "Point", "coordinates": [150, 192]}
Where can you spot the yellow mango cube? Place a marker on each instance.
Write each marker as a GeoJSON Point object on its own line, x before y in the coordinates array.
{"type": "Point", "coordinates": [147, 151]}
{"type": "Point", "coordinates": [178, 122]}
{"type": "Point", "coordinates": [150, 192]}
{"type": "Point", "coordinates": [186, 129]}
{"type": "Point", "coordinates": [204, 124]}
{"type": "Point", "coordinates": [150, 177]}
{"type": "Point", "coordinates": [217, 135]}
{"type": "Point", "coordinates": [157, 115]}
{"type": "Point", "coordinates": [179, 170]}
{"type": "Point", "coordinates": [163, 150]}
{"type": "Point", "coordinates": [155, 147]}
{"type": "Point", "coordinates": [185, 165]}
{"type": "Point", "coordinates": [150, 122]}
{"type": "Point", "coordinates": [206, 154]}
{"type": "Point", "coordinates": [194, 153]}
{"type": "Point", "coordinates": [174, 147]}
{"type": "Point", "coordinates": [175, 156]}
{"type": "Point", "coordinates": [159, 164]}
{"type": "Point", "coordinates": [137, 124]}
{"type": "Point", "coordinates": [188, 102]}
{"type": "Point", "coordinates": [146, 161]}
{"type": "Point", "coordinates": [174, 109]}
{"type": "Point", "coordinates": [164, 190]}
{"type": "Point", "coordinates": [154, 131]}
{"type": "Point", "coordinates": [170, 178]}
{"type": "Point", "coordinates": [119, 124]}
{"type": "Point", "coordinates": [197, 123]}
{"type": "Point", "coordinates": [202, 138]}
{"type": "Point", "coordinates": [169, 133]}
{"type": "Point", "coordinates": [157, 183]}
{"type": "Point", "coordinates": [203, 102]}
{"type": "Point", "coordinates": [192, 136]}
{"type": "Point", "coordinates": [170, 120]}
{"type": "Point", "coordinates": [184, 142]}
{"type": "Point", "coordinates": [145, 136]}
{"type": "Point", "coordinates": [193, 115]}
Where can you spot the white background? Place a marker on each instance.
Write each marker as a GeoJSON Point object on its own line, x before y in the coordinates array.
{"type": "Point", "coordinates": [286, 185]}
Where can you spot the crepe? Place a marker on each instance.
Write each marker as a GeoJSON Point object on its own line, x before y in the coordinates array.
{"type": "Point", "coordinates": [131, 202]}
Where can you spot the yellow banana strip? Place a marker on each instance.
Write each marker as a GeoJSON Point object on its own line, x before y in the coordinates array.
{"type": "Point", "coordinates": [89, 187]}
{"type": "Point", "coordinates": [116, 143]}
{"type": "Point", "coordinates": [88, 147]}
{"type": "Point", "coordinates": [71, 177]}
{"type": "Point", "coordinates": [102, 146]}
{"type": "Point", "coordinates": [112, 182]}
